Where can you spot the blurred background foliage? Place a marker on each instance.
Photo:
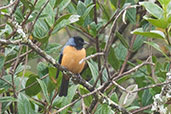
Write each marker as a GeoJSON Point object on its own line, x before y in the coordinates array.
{"type": "Point", "coordinates": [141, 32]}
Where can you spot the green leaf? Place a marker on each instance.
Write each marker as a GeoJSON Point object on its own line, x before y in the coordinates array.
{"type": "Point", "coordinates": [27, 4]}
{"type": "Point", "coordinates": [139, 41]}
{"type": "Point", "coordinates": [87, 11]}
{"type": "Point", "coordinates": [87, 100]}
{"type": "Point", "coordinates": [132, 108]}
{"type": "Point", "coordinates": [157, 47]}
{"type": "Point", "coordinates": [19, 15]}
{"type": "Point", "coordinates": [122, 39]}
{"type": "Point", "coordinates": [7, 99]}
{"type": "Point", "coordinates": [152, 34]}
{"type": "Point", "coordinates": [69, 98]}
{"type": "Point", "coordinates": [50, 15]}
{"type": "Point", "coordinates": [168, 9]}
{"type": "Point", "coordinates": [146, 98]}
{"type": "Point", "coordinates": [35, 89]}
{"type": "Point", "coordinates": [63, 5]}
{"type": "Point", "coordinates": [41, 29]}
{"type": "Point", "coordinates": [114, 97]}
{"type": "Point", "coordinates": [113, 60]}
{"type": "Point", "coordinates": [2, 61]}
{"type": "Point", "coordinates": [120, 51]}
{"type": "Point", "coordinates": [153, 9]}
{"type": "Point", "coordinates": [103, 109]}
{"type": "Point", "coordinates": [57, 2]}
{"type": "Point", "coordinates": [81, 8]}
{"type": "Point", "coordinates": [131, 15]}
{"type": "Point", "coordinates": [42, 69]}
{"type": "Point", "coordinates": [52, 47]}
{"type": "Point", "coordinates": [64, 21]}
{"type": "Point", "coordinates": [52, 75]}
{"type": "Point", "coordinates": [164, 2]}
{"type": "Point", "coordinates": [94, 69]}
{"type": "Point", "coordinates": [127, 99]}
{"type": "Point", "coordinates": [44, 89]}
{"type": "Point", "coordinates": [161, 23]}
{"type": "Point", "coordinates": [71, 9]}
{"type": "Point", "coordinates": [23, 105]}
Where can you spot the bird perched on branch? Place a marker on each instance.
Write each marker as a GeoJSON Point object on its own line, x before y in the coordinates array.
{"type": "Point", "coordinates": [70, 56]}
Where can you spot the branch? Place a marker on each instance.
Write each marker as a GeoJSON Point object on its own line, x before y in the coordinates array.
{"type": "Point", "coordinates": [9, 5]}
{"type": "Point", "coordinates": [132, 70]}
{"type": "Point", "coordinates": [151, 86]}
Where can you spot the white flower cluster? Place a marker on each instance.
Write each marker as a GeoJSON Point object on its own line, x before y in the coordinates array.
{"type": "Point", "coordinates": [161, 99]}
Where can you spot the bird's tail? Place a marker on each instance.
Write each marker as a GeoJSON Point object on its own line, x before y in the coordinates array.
{"type": "Point", "coordinates": [64, 87]}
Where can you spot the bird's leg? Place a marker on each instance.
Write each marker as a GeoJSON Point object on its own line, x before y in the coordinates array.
{"type": "Point", "coordinates": [76, 78]}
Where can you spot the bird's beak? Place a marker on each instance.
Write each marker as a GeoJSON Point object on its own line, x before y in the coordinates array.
{"type": "Point", "coordinates": [86, 43]}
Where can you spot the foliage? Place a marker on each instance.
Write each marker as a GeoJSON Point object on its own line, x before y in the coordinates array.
{"type": "Point", "coordinates": [33, 89]}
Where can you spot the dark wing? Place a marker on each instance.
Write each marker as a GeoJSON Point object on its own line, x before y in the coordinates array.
{"type": "Point", "coordinates": [60, 60]}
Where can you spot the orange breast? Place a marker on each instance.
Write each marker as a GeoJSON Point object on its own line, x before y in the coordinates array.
{"type": "Point", "coordinates": [71, 58]}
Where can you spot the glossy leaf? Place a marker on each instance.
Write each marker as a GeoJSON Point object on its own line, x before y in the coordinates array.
{"type": "Point", "coordinates": [81, 8]}
{"type": "Point", "coordinates": [64, 4]}
{"type": "Point", "coordinates": [23, 105]}
{"type": "Point", "coordinates": [114, 97]}
{"type": "Point", "coordinates": [44, 89]}
{"type": "Point", "coordinates": [52, 47]}
{"type": "Point", "coordinates": [69, 98]}
{"type": "Point", "coordinates": [35, 89]}
{"type": "Point", "coordinates": [42, 68]}
{"type": "Point", "coordinates": [146, 98]}
{"type": "Point", "coordinates": [139, 41]}
{"type": "Point", "coordinates": [103, 109]}
{"type": "Point", "coordinates": [113, 60]}
{"type": "Point", "coordinates": [153, 9]}
{"type": "Point", "coordinates": [161, 23]}
{"type": "Point", "coordinates": [164, 2]}
{"type": "Point", "coordinates": [7, 99]}
{"type": "Point", "coordinates": [57, 2]}
{"type": "Point", "coordinates": [64, 21]}
{"type": "Point", "coordinates": [157, 47]}
{"type": "Point", "coordinates": [126, 99]}
{"type": "Point", "coordinates": [122, 39]}
{"type": "Point", "coordinates": [131, 15]}
{"type": "Point", "coordinates": [94, 69]}
{"type": "Point", "coordinates": [152, 34]}
{"type": "Point", "coordinates": [120, 51]}
{"type": "Point", "coordinates": [87, 11]}
{"type": "Point", "coordinates": [83, 91]}
{"type": "Point", "coordinates": [28, 4]}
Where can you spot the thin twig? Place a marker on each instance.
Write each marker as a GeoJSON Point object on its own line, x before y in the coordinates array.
{"type": "Point", "coordinates": [27, 16]}
{"type": "Point", "coordinates": [33, 83]}
{"type": "Point", "coordinates": [128, 55]}
{"type": "Point", "coordinates": [22, 55]}
{"type": "Point", "coordinates": [91, 56]}
{"type": "Point", "coordinates": [151, 86]}
{"type": "Point", "coordinates": [66, 106]}
{"type": "Point", "coordinates": [141, 109]}
{"type": "Point", "coordinates": [120, 87]}
{"type": "Point", "coordinates": [132, 70]}
{"type": "Point", "coordinates": [13, 69]}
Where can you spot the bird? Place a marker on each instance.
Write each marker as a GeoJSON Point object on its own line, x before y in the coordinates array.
{"type": "Point", "coordinates": [70, 56]}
